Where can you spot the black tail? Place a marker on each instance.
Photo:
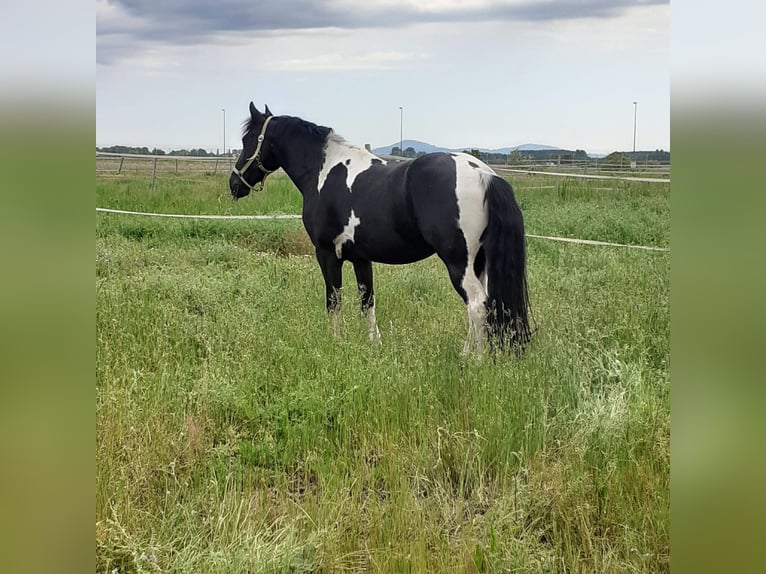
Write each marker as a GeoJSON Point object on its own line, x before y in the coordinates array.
{"type": "Point", "coordinates": [505, 248]}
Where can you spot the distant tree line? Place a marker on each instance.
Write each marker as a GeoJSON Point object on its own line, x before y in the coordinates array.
{"type": "Point", "coordinates": [198, 152]}
{"type": "Point", "coordinates": [656, 155]}
{"type": "Point", "coordinates": [557, 156]}
{"type": "Point", "coordinates": [409, 152]}
{"type": "Point", "coordinates": [517, 157]}
{"type": "Point", "coordinates": [641, 157]}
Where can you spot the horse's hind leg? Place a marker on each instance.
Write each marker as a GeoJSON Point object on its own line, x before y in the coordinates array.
{"type": "Point", "coordinates": [471, 288]}
{"type": "Point", "coordinates": [477, 311]}
{"type": "Point", "coordinates": [363, 271]}
{"type": "Point", "coordinates": [332, 271]}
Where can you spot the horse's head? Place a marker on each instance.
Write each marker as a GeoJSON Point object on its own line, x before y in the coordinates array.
{"type": "Point", "coordinates": [257, 159]}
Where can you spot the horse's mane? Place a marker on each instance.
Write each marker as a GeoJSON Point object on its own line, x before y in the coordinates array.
{"type": "Point", "coordinates": [340, 140]}
{"type": "Point", "coordinates": [294, 122]}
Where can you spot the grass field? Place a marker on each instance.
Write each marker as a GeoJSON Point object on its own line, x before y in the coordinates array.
{"type": "Point", "coordinates": [234, 434]}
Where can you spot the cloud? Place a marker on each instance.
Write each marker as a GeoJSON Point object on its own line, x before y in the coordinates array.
{"type": "Point", "coordinates": [344, 61]}
{"type": "Point", "coordinates": [125, 27]}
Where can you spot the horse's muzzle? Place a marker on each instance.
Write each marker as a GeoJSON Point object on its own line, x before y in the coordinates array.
{"type": "Point", "coordinates": [236, 188]}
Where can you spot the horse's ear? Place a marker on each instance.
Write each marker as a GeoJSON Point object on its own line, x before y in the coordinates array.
{"type": "Point", "coordinates": [267, 111]}
{"type": "Point", "coordinates": [253, 112]}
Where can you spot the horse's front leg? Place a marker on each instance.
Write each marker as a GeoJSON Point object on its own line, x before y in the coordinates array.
{"type": "Point", "coordinates": [332, 271]}
{"type": "Point", "coordinates": [363, 271]}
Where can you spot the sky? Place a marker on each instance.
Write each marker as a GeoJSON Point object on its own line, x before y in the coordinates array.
{"type": "Point", "coordinates": [466, 73]}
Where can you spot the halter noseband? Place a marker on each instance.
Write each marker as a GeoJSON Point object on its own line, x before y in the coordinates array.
{"type": "Point", "coordinates": [256, 157]}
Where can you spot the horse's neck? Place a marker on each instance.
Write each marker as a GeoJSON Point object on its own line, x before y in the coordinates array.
{"type": "Point", "coordinates": [303, 161]}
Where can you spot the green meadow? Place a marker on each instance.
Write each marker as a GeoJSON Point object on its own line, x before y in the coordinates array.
{"type": "Point", "coordinates": [234, 433]}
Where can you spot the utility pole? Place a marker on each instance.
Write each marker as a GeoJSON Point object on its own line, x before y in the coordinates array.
{"type": "Point", "coordinates": [224, 130]}
{"type": "Point", "coordinates": [635, 113]}
{"type": "Point", "coordinates": [401, 130]}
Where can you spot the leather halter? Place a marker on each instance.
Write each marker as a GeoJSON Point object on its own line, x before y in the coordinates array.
{"type": "Point", "coordinates": [255, 158]}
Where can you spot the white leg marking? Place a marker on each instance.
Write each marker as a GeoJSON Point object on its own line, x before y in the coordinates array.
{"type": "Point", "coordinates": [477, 310]}
{"type": "Point", "coordinates": [347, 234]}
{"type": "Point", "coordinates": [373, 326]}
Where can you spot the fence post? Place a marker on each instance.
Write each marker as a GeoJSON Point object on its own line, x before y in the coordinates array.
{"type": "Point", "coordinates": [558, 169]}
{"type": "Point", "coordinates": [119, 169]}
{"type": "Point", "coordinates": [215, 171]}
{"type": "Point", "coordinates": [154, 172]}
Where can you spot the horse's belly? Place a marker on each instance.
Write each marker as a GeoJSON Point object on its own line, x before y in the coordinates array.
{"type": "Point", "coordinates": [393, 252]}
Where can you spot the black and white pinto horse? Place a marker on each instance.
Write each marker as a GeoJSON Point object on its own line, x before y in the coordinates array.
{"type": "Point", "coordinates": [359, 208]}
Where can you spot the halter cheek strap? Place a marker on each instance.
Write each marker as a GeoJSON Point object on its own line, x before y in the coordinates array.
{"type": "Point", "coordinates": [255, 158]}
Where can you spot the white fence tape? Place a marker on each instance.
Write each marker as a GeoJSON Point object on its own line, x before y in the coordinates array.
{"type": "Point", "coordinates": [602, 243]}
{"type": "Point", "coordinates": [584, 175]}
{"type": "Point", "coordinates": [182, 216]}
{"type": "Point", "coordinates": [292, 216]}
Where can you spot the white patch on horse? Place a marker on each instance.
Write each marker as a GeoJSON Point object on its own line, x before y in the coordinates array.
{"type": "Point", "coordinates": [338, 151]}
{"type": "Point", "coordinates": [470, 189]}
{"type": "Point", "coordinates": [347, 234]}
{"type": "Point", "coordinates": [472, 178]}
{"type": "Point", "coordinates": [374, 333]}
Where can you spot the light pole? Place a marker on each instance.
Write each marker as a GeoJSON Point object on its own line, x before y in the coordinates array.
{"type": "Point", "coordinates": [224, 130]}
{"type": "Point", "coordinates": [635, 113]}
{"type": "Point", "coordinates": [401, 130]}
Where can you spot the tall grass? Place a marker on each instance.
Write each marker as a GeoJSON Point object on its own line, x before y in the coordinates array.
{"type": "Point", "coordinates": [234, 433]}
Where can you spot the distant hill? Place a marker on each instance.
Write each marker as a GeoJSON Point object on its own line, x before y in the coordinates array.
{"type": "Point", "coordinates": [522, 147]}
{"type": "Point", "coordinates": [417, 145]}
